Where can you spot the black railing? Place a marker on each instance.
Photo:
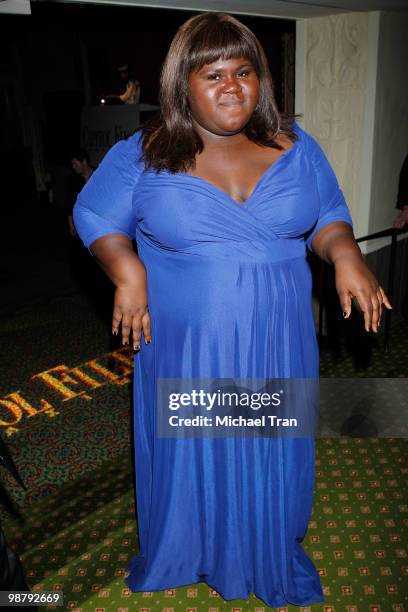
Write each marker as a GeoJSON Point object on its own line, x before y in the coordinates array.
{"type": "Point", "coordinates": [393, 232]}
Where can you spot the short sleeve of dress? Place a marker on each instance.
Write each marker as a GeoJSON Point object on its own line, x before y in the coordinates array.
{"type": "Point", "coordinates": [332, 203]}
{"type": "Point", "coordinates": [104, 205]}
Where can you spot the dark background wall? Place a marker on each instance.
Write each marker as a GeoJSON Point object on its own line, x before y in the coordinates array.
{"type": "Point", "coordinates": [63, 56]}
{"type": "Point", "coordinates": [53, 62]}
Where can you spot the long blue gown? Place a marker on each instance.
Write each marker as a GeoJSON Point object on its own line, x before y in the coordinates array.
{"type": "Point", "coordinates": [229, 295]}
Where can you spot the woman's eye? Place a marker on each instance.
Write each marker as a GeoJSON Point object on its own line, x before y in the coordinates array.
{"type": "Point", "coordinates": [213, 76]}
{"type": "Point", "coordinates": [244, 73]}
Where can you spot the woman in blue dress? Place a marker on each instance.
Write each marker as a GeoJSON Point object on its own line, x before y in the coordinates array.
{"type": "Point", "coordinates": [223, 195]}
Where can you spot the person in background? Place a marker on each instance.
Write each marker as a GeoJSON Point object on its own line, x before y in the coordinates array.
{"type": "Point", "coordinates": [80, 163]}
{"type": "Point", "coordinates": [401, 220]}
{"type": "Point", "coordinates": [82, 266]}
{"type": "Point", "coordinates": [131, 94]}
{"type": "Point", "coordinates": [12, 577]}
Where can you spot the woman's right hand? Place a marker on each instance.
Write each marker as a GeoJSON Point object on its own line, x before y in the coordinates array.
{"type": "Point", "coordinates": [130, 311]}
{"type": "Point", "coordinates": [114, 253]}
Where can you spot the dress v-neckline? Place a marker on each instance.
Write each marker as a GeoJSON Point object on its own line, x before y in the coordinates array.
{"type": "Point", "coordinates": [255, 189]}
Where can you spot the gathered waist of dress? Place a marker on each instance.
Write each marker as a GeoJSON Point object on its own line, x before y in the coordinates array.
{"type": "Point", "coordinates": [245, 251]}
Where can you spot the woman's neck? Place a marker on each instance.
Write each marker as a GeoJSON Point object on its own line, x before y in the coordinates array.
{"type": "Point", "coordinates": [210, 139]}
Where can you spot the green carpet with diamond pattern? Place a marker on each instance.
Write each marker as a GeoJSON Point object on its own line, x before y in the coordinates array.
{"type": "Point", "coordinates": [65, 411]}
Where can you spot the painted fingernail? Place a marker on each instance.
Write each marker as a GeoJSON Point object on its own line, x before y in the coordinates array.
{"type": "Point", "coordinates": [344, 314]}
{"type": "Point", "coordinates": [148, 341]}
{"type": "Point", "coordinates": [137, 347]}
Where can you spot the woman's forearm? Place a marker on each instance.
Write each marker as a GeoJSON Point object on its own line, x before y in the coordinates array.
{"type": "Point", "coordinates": [116, 256]}
{"type": "Point", "coordinates": [335, 242]}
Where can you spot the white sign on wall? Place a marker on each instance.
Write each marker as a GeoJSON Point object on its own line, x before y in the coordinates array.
{"type": "Point", "coordinates": [103, 126]}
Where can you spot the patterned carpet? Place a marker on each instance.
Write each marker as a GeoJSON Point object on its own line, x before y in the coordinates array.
{"type": "Point", "coordinates": [65, 411]}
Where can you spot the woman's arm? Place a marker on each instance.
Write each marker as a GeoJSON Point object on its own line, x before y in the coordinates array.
{"type": "Point", "coordinates": [336, 245]}
{"type": "Point", "coordinates": [130, 87]}
{"type": "Point", "coordinates": [332, 239]}
{"type": "Point", "coordinates": [106, 222]}
{"type": "Point", "coordinates": [115, 255]}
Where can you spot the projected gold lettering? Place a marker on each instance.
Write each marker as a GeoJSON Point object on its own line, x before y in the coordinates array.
{"type": "Point", "coordinates": [110, 376]}
{"type": "Point", "coordinates": [64, 384]}
{"type": "Point", "coordinates": [58, 378]}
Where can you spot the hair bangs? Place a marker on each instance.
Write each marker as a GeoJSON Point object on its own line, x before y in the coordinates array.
{"type": "Point", "coordinates": [223, 41]}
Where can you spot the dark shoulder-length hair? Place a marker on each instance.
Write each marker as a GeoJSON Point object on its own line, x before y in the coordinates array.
{"type": "Point", "coordinates": [170, 141]}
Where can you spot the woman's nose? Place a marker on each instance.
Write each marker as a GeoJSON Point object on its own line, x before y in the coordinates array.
{"type": "Point", "coordinates": [232, 84]}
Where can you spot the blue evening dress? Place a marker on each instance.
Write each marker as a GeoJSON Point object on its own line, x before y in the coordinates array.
{"type": "Point", "coordinates": [229, 295]}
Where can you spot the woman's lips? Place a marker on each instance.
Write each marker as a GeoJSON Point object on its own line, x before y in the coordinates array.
{"type": "Point", "coordinates": [232, 103]}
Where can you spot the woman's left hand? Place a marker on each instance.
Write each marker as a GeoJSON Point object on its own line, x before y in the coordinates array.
{"type": "Point", "coordinates": [355, 280]}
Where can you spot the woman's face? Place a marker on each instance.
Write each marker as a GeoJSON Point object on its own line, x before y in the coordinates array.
{"type": "Point", "coordinates": [223, 95]}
